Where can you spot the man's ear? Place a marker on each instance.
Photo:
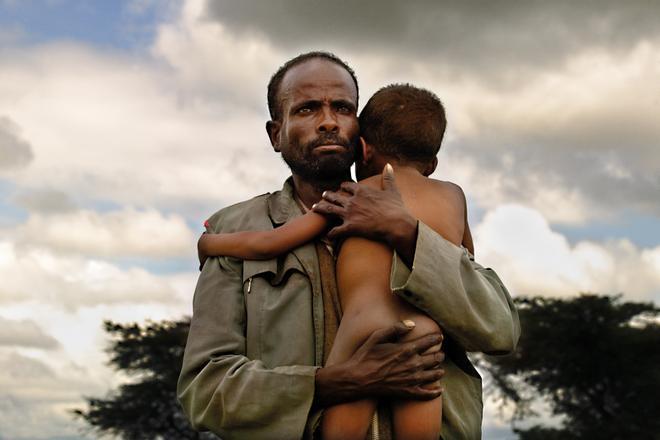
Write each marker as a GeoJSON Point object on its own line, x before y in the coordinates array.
{"type": "Point", "coordinates": [273, 130]}
{"type": "Point", "coordinates": [431, 167]}
{"type": "Point", "coordinates": [367, 151]}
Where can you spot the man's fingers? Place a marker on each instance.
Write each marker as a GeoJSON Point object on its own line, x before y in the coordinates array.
{"type": "Point", "coordinates": [432, 360]}
{"type": "Point", "coordinates": [423, 393]}
{"type": "Point", "coordinates": [326, 208]}
{"type": "Point", "coordinates": [433, 349]}
{"type": "Point", "coordinates": [349, 187]}
{"type": "Point", "coordinates": [423, 343]}
{"type": "Point", "coordinates": [389, 334]}
{"type": "Point", "coordinates": [334, 197]}
{"type": "Point", "coordinates": [338, 231]}
{"type": "Point", "coordinates": [387, 182]}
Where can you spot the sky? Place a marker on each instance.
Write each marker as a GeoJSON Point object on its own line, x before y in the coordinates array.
{"type": "Point", "coordinates": [123, 125]}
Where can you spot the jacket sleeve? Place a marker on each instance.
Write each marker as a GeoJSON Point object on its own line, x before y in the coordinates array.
{"type": "Point", "coordinates": [219, 388]}
{"type": "Point", "coordinates": [467, 300]}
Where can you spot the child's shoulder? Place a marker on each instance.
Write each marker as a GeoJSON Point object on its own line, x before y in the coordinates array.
{"type": "Point", "coordinates": [447, 186]}
{"type": "Point", "coordinates": [445, 192]}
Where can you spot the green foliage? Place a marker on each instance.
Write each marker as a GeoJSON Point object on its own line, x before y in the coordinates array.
{"type": "Point", "coordinates": [146, 408]}
{"type": "Point", "coordinates": [594, 358]}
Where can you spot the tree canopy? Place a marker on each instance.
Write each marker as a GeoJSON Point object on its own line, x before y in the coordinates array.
{"type": "Point", "coordinates": [146, 407]}
{"type": "Point", "coordinates": [593, 358]}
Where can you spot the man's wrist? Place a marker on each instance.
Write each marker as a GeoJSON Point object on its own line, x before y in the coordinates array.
{"type": "Point", "coordinates": [332, 386]}
{"type": "Point", "coordinates": [403, 239]}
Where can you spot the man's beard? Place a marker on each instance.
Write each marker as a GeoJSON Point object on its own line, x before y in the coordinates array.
{"type": "Point", "coordinates": [324, 168]}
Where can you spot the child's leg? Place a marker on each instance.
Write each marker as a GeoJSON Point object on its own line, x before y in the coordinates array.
{"type": "Point", "coordinates": [351, 420]}
{"type": "Point", "coordinates": [414, 419]}
{"type": "Point", "coordinates": [411, 419]}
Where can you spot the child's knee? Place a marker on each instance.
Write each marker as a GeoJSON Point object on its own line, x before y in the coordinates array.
{"type": "Point", "coordinates": [423, 326]}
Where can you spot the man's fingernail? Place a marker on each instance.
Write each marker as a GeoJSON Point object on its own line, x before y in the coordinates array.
{"type": "Point", "coordinates": [409, 323]}
{"type": "Point", "coordinates": [324, 193]}
{"type": "Point", "coordinates": [389, 168]}
{"type": "Point", "coordinates": [314, 205]}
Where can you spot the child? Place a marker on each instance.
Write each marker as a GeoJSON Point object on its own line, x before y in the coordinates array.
{"type": "Point", "coordinates": [403, 126]}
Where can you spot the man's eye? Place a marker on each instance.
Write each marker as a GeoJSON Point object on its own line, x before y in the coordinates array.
{"type": "Point", "coordinates": [304, 110]}
{"type": "Point", "coordinates": [344, 109]}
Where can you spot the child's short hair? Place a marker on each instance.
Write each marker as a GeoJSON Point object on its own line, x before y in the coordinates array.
{"type": "Point", "coordinates": [404, 122]}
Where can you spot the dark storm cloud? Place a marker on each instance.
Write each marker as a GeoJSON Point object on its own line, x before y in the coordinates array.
{"type": "Point", "coordinates": [14, 151]}
{"type": "Point", "coordinates": [613, 163]}
{"type": "Point", "coordinates": [499, 35]}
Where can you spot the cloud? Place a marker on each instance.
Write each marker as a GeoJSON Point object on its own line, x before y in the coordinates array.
{"type": "Point", "coordinates": [14, 151]}
{"type": "Point", "coordinates": [484, 38]}
{"type": "Point", "coordinates": [532, 259]}
{"type": "Point", "coordinates": [35, 400]}
{"type": "Point", "coordinates": [45, 201]}
{"type": "Point", "coordinates": [152, 143]}
{"type": "Point", "coordinates": [71, 282]}
{"type": "Point", "coordinates": [126, 232]}
{"type": "Point", "coordinates": [24, 333]}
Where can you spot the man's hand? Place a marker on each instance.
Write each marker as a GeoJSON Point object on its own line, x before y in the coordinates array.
{"type": "Point", "coordinates": [385, 367]}
{"type": "Point", "coordinates": [374, 214]}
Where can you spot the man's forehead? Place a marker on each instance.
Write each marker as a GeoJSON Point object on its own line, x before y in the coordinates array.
{"type": "Point", "coordinates": [318, 76]}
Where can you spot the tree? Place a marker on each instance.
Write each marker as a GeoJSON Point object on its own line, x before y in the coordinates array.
{"type": "Point", "coordinates": [594, 358]}
{"type": "Point", "coordinates": [145, 408]}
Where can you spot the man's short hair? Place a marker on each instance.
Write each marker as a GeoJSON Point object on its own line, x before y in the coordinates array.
{"type": "Point", "coordinates": [275, 82]}
{"type": "Point", "coordinates": [404, 122]}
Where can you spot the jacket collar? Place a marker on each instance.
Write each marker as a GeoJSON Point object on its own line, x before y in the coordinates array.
{"type": "Point", "coordinates": [282, 205]}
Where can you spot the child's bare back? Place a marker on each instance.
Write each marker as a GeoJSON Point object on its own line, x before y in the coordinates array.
{"type": "Point", "coordinates": [363, 266]}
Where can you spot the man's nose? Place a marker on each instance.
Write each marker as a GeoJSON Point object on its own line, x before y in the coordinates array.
{"type": "Point", "coordinates": [328, 122]}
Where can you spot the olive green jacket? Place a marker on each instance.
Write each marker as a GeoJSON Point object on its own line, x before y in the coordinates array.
{"type": "Point", "coordinates": [256, 336]}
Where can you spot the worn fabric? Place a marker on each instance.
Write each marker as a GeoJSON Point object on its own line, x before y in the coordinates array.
{"type": "Point", "coordinates": [257, 334]}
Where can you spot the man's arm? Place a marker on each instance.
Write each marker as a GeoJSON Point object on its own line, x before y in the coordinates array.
{"type": "Point", "coordinates": [468, 301]}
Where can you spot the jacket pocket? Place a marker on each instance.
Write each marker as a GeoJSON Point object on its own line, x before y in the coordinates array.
{"type": "Point", "coordinates": [274, 292]}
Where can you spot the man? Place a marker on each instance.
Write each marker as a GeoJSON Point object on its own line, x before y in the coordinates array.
{"type": "Point", "coordinates": [260, 329]}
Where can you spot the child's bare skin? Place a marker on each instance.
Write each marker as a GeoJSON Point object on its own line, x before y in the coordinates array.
{"type": "Point", "coordinates": [363, 271]}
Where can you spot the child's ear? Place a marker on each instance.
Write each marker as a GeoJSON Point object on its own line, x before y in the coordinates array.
{"type": "Point", "coordinates": [273, 130]}
{"type": "Point", "coordinates": [430, 167]}
{"type": "Point", "coordinates": [367, 151]}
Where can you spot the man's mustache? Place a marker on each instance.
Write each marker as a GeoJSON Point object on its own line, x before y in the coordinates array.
{"type": "Point", "coordinates": [330, 139]}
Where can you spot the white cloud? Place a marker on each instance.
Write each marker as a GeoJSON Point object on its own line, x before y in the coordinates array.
{"type": "Point", "coordinates": [71, 282]}
{"type": "Point", "coordinates": [128, 232]}
{"type": "Point", "coordinates": [111, 128]}
{"type": "Point", "coordinates": [532, 259]}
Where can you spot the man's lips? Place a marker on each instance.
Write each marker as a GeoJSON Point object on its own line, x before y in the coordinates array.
{"type": "Point", "coordinates": [333, 148]}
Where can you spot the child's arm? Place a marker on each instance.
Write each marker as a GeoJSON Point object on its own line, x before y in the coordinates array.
{"type": "Point", "coordinates": [467, 235]}
{"type": "Point", "coordinates": [262, 245]}
{"type": "Point", "coordinates": [467, 239]}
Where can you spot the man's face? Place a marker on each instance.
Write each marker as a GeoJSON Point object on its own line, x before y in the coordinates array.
{"type": "Point", "coordinates": [318, 132]}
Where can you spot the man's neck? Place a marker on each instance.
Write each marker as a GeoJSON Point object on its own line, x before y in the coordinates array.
{"type": "Point", "coordinates": [310, 192]}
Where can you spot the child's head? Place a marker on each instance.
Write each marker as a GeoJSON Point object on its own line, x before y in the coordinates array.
{"type": "Point", "coordinates": [401, 124]}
